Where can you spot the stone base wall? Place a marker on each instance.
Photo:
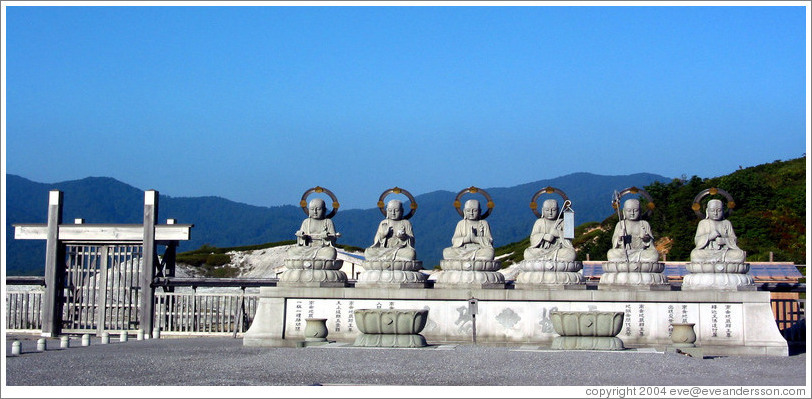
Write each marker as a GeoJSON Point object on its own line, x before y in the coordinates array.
{"type": "Point", "coordinates": [727, 323]}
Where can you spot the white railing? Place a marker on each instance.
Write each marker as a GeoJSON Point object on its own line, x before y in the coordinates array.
{"type": "Point", "coordinates": [24, 310]}
{"type": "Point", "coordinates": [204, 313]}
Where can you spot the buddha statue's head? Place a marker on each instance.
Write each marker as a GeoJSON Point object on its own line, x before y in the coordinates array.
{"type": "Point", "coordinates": [549, 210]}
{"type": "Point", "coordinates": [316, 208]}
{"type": "Point", "coordinates": [631, 209]}
{"type": "Point", "coordinates": [394, 210]}
{"type": "Point", "coordinates": [714, 210]}
{"type": "Point", "coordinates": [471, 210]}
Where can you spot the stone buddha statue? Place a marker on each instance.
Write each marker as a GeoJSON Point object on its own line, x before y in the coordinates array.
{"type": "Point", "coordinates": [632, 239]}
{"type": "Point", "coordinates": [317, 235]}
{"type": "Point", "coordinates": [546, 238]}
{"type": "Point", "coordinates": [472, 238]}
{"type": "Point", "coordinates": [715, 239]}
{"type": "Point", "coordinates": [394, 239]}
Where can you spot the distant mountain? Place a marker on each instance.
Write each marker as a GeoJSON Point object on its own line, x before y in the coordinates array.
{"type": "Point", "coordinates": [224, 223]}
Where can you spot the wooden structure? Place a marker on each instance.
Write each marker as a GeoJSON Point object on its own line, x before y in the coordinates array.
{"type": "Point", "coordinates": [100, 276]}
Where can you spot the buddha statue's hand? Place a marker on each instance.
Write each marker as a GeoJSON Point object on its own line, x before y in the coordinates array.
{"type": "Point", "coordinates": [714, 234]}
{"type": "Point", "coordinates": [548, 237]}
{"type": "Point", "coordinates": [401, 234]}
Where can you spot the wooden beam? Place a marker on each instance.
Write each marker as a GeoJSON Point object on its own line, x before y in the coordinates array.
{"type": "Point", "coordinates": [214, 282]}
{"type": "Point", "coordinates": [150, 257]}
{"type": "Point", "coordinates": [25, 280]}
{"type": "Point", "coordinates": [103, 232]}
{"type": "Point", "coordinates": [54, 268]}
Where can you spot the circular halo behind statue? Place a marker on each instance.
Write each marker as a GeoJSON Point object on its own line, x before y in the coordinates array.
{"type": "Point", "coordinates": [634, 190]}
{"type": "Point", "coordinates": [398, 190]}
{"type": "Point", "coordinates": [385, 265]}
{"type": "Point", "coordinates": [474, 190]}
{"type": "Point", "coordinates": [542, 266]}
{"type": "Point", "coordinates": [697, 207]}
{"type": "Point", "coordinates": [312, 261]}
{"type": "Point", "coordinates": [717, 263]}
{"type": "Point", "coordinates": [318, 189]}
{"type": "Point", "coordinates": [639, 268]}
{"type": "Point", "coordinates": [546, 190]}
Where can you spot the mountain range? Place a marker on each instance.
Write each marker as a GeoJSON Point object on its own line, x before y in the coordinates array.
{"type": "Point", "coordinates": [223, 223]}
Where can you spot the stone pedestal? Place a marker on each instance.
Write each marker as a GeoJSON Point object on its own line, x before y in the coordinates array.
{"type": "Point", "coordinates": [549, 274]}
{"type": "Point", "coordinates": [720, 276]}
{"type": "Point", "coordinates": [587, 343]}
{"type": "Point", "coordinates": [726, 323]}
{"type": "Point", "coordinates": [313, 273]}
{"type": "Point", "coordinates": [380, 273]}
{"type": "Point", "coordinates": [633, 276]}
{"type": "Point", "coordinates": [470, 274]}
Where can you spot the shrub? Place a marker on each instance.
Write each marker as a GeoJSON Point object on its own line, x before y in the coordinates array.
{"type": "Point", "coordinates": [218, 259]}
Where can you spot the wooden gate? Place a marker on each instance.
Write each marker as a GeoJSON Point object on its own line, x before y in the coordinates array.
{"type": "Point", "coordinates": [100, 276]}
{"type": "Point", "coordinates": [102, 287]}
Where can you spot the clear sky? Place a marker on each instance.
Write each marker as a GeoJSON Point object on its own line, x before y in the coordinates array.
{"type": "Point", "coordinates": [257, 104]}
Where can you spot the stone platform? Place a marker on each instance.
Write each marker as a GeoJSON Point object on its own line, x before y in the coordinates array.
{"type": "Point", "coordinates": [727, 323]}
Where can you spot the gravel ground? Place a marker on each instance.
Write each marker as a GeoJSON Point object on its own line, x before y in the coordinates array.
{"type": "Point", "coordinates": [225, 361]}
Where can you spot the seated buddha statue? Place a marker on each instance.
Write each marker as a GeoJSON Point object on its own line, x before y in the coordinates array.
{"type": "Point", "coordinates": [472, 238]}
{"type": "Point", "coordinates": [546, 238]}
{"type": "Point", "coordinates": [394, 239]}
{"type": "Point", "coordinates": [632, 240]}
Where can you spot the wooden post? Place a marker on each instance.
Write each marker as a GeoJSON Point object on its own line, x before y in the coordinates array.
{"type": "Point", "coordinates": [101, 296]}
{"type": "Point", "coordinates": [147, 305]}
{"type": "Point", "coordinates": [771, 256]}
{"type": "Point", "coordinates": [54, 269]}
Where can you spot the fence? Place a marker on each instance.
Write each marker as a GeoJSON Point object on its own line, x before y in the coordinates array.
{"type": "Point", "coordinates": [204, 313]}
{"type": "Point", "coordinates": [790, 316]}
{"type": "Point", "coordinates": [24, 310]}
{"type": "Point", "coordinates": [101, 288]}
{"type": "Point", "coordinates": [232, 312]}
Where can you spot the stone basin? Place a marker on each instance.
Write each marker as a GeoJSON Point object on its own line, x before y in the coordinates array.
{"type": "Point", "coordinates": [391, 321]}
{"type": "Point", "coordinates": [587, 324]}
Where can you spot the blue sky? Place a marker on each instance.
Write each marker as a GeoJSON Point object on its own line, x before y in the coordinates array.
{"type": "Point", "coordinates": [258, 104]}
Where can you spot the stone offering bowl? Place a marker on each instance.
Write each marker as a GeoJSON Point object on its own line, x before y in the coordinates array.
{"type": "Point", "coordinates": [587, 324]}
{"type": "Point", "coordinates": [391, 321]}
